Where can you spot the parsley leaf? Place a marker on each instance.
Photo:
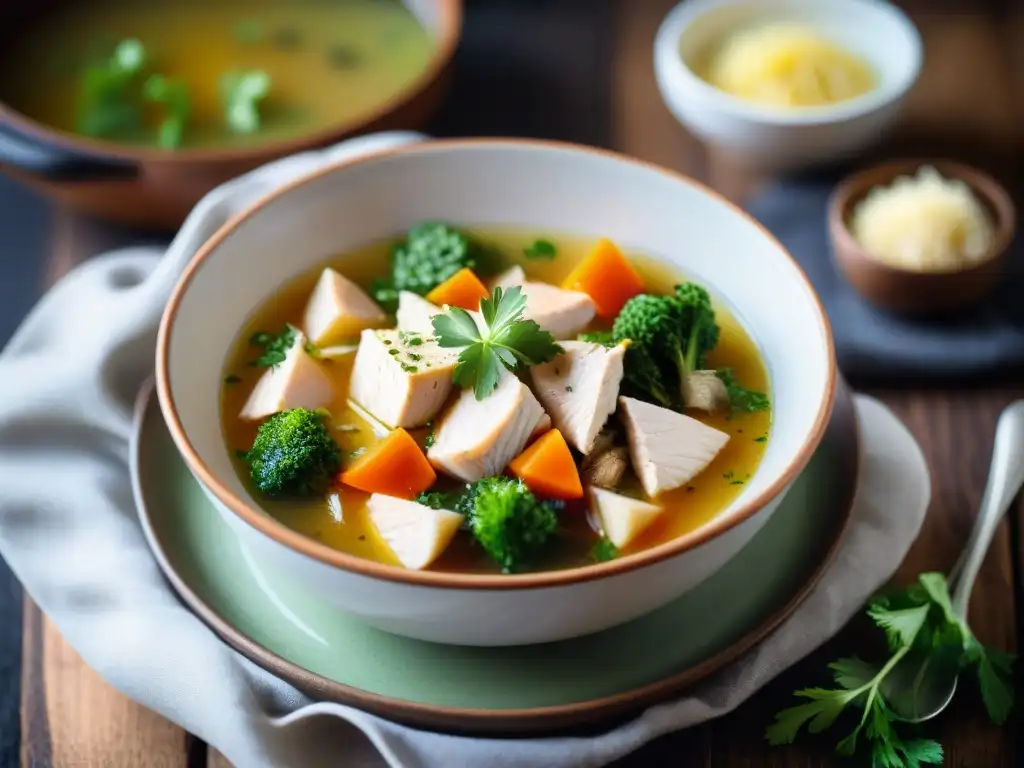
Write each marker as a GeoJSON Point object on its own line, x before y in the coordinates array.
{"type": "Point", "coordinates": [275, 348]}
{"type": "Point", "coordinates": [242, 91]}
{"type": "Point", "coordinates": [540, 249]}
{"type": "Point", "coordinates": [742, 400]}
{"type": "Point", "coordinates": [174, 96]}
{"type": "Point", "coordinates": [919, 618]}
{"type": "Point", "coordinates": [604, 551]}
{"type": "Point", "coordinates": [506, 340]}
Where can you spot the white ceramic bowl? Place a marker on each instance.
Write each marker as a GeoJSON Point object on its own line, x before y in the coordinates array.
{"type": "Point", "coordinates": [779, 140]}
{"type": "Point", "coordinates": [545, 187]}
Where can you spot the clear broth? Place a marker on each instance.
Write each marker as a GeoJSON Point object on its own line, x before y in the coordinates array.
{"type": "Point", "coordinates": [329, 61]}
{"type": "Point", "coordinates": [689, 507]}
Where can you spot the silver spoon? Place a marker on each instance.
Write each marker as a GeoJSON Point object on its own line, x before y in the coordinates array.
{"type": "Point", "coordinates": [919, 688]}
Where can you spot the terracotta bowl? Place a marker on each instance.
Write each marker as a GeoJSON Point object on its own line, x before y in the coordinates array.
{"type": "Point", "coordinates": [155, 189]}
{"type": "Point", "coordinates": [906, 291]}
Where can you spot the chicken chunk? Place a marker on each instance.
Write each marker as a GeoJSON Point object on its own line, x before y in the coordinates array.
{"type": "Point", "coordinates": [668, 449]}
{"type": "Point", "coordinates": [415, 533]}
{"type": "Point", "coordinates": [561, 313]}
{"type": "Point", "coordinates": [543, 425]}
{"type": "Point", "coordinates": [579, 389]}
{"type": "Point", "coordinates": [605, 468]}
{"type": "Point", "coordinates": [510, 277]}
{"type": "Point", "coordinates": [415, 313]}
{"type": "Point", "coordinates": [704, 391]}
{"type": "Point", "coordinates": [296, 382]}
{"type": "Point", "coordinates": [401, 378]}
{"type": "Point", "coordinates": [478, 438]}
{"type": "Point", "coordinates": [622, 518]}
{"type": "Point", "coordinates": [338, 309]}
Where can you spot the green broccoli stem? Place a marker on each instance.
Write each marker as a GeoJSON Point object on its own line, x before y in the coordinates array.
{"type": "Point", "coordinates": [686, 363]}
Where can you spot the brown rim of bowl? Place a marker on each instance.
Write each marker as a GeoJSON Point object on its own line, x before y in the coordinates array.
{"type": "Point", "coordinates": [990, 192]}
{"type": "Point", "coordinates": [304, 545]}
{"type": "Point", "coordinates": [449, 31]}
{"type": "Point", "coordinates": [506, 721]}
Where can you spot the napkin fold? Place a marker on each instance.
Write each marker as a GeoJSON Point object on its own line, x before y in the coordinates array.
{"type": "Point", "coordinates": [68, 529]}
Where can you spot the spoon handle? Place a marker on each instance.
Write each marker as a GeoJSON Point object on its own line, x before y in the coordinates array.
{"type": "Point", "coordinates": [1004, 480]}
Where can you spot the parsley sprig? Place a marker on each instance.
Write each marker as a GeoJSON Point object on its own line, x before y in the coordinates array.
{"type": "Point", "coordinates": [921, 619]}
{"type": "Point", "coordinates": [507, 340]}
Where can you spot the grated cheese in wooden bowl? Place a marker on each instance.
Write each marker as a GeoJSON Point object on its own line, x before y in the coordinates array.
{"type": "Point", "coordinates": [923, 223]}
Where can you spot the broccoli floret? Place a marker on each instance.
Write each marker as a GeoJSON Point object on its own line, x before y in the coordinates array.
{"type": "Point", "coordinates": [604, 338]}
{"type": "Point", "coordinates": [430, 254]}
{"type": "Point", "coordinates": [669, 337]}
{"type": "Point", "coordinates": [508, 521]}
{"type": "Point", "coordinates": [293, 454]}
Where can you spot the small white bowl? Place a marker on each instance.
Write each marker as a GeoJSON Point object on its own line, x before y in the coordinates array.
{"type": "Point", "coordinates": [769, 139]}
{"type": "Point", "coordinates": [543, 187]}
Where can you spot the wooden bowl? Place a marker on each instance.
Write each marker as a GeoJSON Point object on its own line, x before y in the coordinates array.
{"type": "Point", "coordinates": [153, 188]}
{"type": "Point", "coordinates": [907, 291]}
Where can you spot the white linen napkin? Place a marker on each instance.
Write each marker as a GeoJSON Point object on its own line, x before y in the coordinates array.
{"type": "Point", "coordinates": [68, 528]}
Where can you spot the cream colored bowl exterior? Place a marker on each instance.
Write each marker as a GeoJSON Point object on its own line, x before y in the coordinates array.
{"type": "Point", "coordinates": [547, 188]}
{"type": "Point", "coordinates": [768, 140]}
{"type": "Point", "coordinates": [506, 617]}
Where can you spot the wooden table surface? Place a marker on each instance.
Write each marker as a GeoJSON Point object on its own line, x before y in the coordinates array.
{"type": "Point", "coordinates": [969, 104]}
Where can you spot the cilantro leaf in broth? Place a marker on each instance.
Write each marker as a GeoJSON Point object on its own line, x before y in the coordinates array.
{"type": "Point", "coordinates": [242, 92]}
{"type": "Point", "coordinates": [176, 100]}
{"type": "Point", "coordinates": [275, 348]}
{"type": "Point", "coordinates": [540, 249]}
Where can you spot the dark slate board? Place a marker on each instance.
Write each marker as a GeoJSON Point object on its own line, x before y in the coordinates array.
{"type": "Point", "coordinates": [878, 347]}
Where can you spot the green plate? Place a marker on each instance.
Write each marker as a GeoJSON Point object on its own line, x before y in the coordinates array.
{"type": "Point", "coordinates": [332, 656]}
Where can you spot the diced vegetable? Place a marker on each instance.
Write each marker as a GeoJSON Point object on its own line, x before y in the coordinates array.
{"type": "Point", "coordinates": [509, 522]}
{"type": "Point", "coordinates": [395, 467]}
{"type": "Point", "coordinates": [293, 454]}
{"type": "Point", "coordinates": [607, 277]}
{"type": "Point", "coordinates": [548, 469]}
{"type": "Point", "coordinates": [463, 289]}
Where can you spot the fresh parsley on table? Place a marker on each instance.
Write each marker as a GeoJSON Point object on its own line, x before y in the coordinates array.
{"type": "Point", "coordinates": [919, 618]}
{"type": "Point", "coordinates": [506, 340]}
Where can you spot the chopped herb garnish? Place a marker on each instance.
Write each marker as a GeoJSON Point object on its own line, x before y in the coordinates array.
{"type": "Point", "coordinates": [742, 400]}
{"type": "Point", "coordinates": [728, 475]}
{"type": "Point", "coordinates": [761, 439]}
{"type": "Point", "coordinates": [409, 368]}
{"type": "Point", "coordinates": [508, 340]}
{"type": "Point", "coordinates": [275, 348]}
{"type": "Point", "coordinates": [415, 342]}
{"type": "Point", "coordinates": [393, 352]}
{"type": "Point", "coordinates": [540, 249]}
{"type": "Point", "coordinates": [232, 379]}
{"type": "Point", "coordinates": [568, 389]}
{"type": "Point", "coordinates": [111, 100]}
{"type": "Point", "coordinates": [919, 618]}
{"type": "Point", "coordinates": [174, 96]}
{"type": "Point", "coordinates": [736, 482]}
{"type": "Point", "coordinates": [414, 357]}
{"type": "Point", "coordinates": [604, 551]}
{"type": "Point", "coordinates": [242, 91]}
{"type": "Point", "coordinates": [344, 57]}
{"type": "Point", "coordinates": [428, 441]}
{"type": "Point", "coordinates": [387, 342]}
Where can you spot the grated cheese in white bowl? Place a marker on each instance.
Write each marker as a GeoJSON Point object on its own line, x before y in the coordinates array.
{"type": "Point", "coordinates": [923, 223]}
